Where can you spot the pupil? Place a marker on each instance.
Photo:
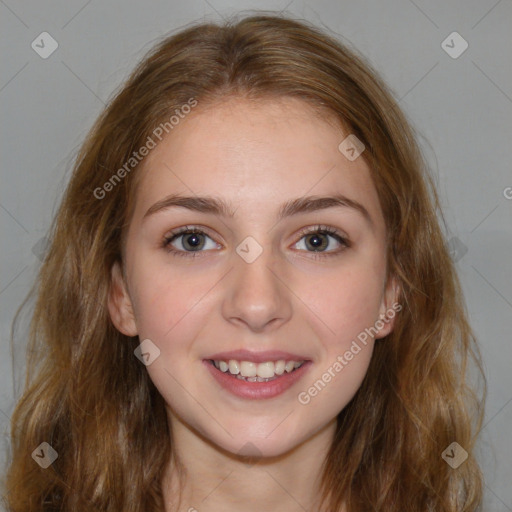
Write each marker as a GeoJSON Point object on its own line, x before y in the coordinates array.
{"type": "Point", "coordinates": [195, 243]}
{"type": "Point", "coordinates": [316, 241]}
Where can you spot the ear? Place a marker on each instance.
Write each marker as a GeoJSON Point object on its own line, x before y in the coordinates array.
{"type": "Point", "coordinates": [389, 308]}
{"type": "Point", "coordinates": [119, 303]}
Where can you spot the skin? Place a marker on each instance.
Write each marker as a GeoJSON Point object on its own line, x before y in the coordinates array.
{"type": "Point", "coordinates": [255, 156]}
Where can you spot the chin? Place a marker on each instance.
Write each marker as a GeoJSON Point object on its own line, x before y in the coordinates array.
{"type": "Point", "coordinates": [258, 448]}
{"type": "Point", "coordinates": [254, 440]}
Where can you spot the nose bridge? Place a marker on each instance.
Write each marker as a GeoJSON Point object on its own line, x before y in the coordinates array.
{"type": "Point", "coordinates": [256, 296]}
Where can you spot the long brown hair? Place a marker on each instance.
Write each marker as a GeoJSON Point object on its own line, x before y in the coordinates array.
{"type": "Point", "coordinates": [93, 402]}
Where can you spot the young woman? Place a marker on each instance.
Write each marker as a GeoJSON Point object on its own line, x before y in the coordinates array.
{"type": "Point", "coordinates": [248, 302]}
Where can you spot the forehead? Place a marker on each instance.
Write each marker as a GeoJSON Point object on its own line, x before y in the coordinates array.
{"type": "Point", "coordinates": [256, 155]}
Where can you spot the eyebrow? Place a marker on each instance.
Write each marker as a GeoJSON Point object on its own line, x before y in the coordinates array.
{"type": "Point", "coordinates": [217, 206]}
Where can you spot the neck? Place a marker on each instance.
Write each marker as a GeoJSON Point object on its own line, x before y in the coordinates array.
{"type": "Point", "coordinates": [212, 479]}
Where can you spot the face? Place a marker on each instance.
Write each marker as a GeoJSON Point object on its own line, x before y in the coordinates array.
{"type": "Point", "coordinates": [272, 277]}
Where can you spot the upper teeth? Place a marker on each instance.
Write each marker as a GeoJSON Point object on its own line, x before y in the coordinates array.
{"type": "Point", "coordinates": [264, 370]}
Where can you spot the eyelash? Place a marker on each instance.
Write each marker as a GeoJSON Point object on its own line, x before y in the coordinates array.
{"type": "Point", "coordinates": [320, 229]}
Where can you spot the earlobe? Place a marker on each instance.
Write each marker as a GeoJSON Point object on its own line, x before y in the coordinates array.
{"type": "Point", "coordinates": [119, 303]}
{"type": "Point", "coordinates": [389, 308]}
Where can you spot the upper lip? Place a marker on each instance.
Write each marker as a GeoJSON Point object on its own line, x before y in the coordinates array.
{"type": "Point", "coordinates": [257, 357]}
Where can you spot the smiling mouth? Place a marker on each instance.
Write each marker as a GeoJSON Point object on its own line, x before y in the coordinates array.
{"type": "Point", "coordinates": [249, 371]}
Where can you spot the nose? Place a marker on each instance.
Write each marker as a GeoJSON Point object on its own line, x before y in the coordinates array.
{"type": "Point", "coordinates": [256, 295]}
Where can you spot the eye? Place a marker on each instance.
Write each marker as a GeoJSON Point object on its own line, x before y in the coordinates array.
{"type": "Point", "coordinates": [191, 244]}
{"type": "Point", "coordinates": [317, 238]}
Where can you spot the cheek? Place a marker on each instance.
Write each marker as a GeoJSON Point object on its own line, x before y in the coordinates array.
{"type": "Point", "coordinates": [344, 362]}
{"type": "Point", "coordinates": [350, 306]}
{"type": "Point", "coordinates": [169, 305]}
{"type": "Point", "coordinates": [334, 386]}
{"type": "Point", "coordinates": [342, 304]}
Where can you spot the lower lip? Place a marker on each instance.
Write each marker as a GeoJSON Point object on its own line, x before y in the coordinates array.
{"type": "Point", "coordinates": [257, 390]}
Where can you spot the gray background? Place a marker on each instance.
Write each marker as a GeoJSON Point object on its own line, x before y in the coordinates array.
{"type": "Point", "coordinates": [461, 108]}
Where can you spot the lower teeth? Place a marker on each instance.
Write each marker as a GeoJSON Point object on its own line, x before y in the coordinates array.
{"type": "Point", "coordinates": [253, 379]}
